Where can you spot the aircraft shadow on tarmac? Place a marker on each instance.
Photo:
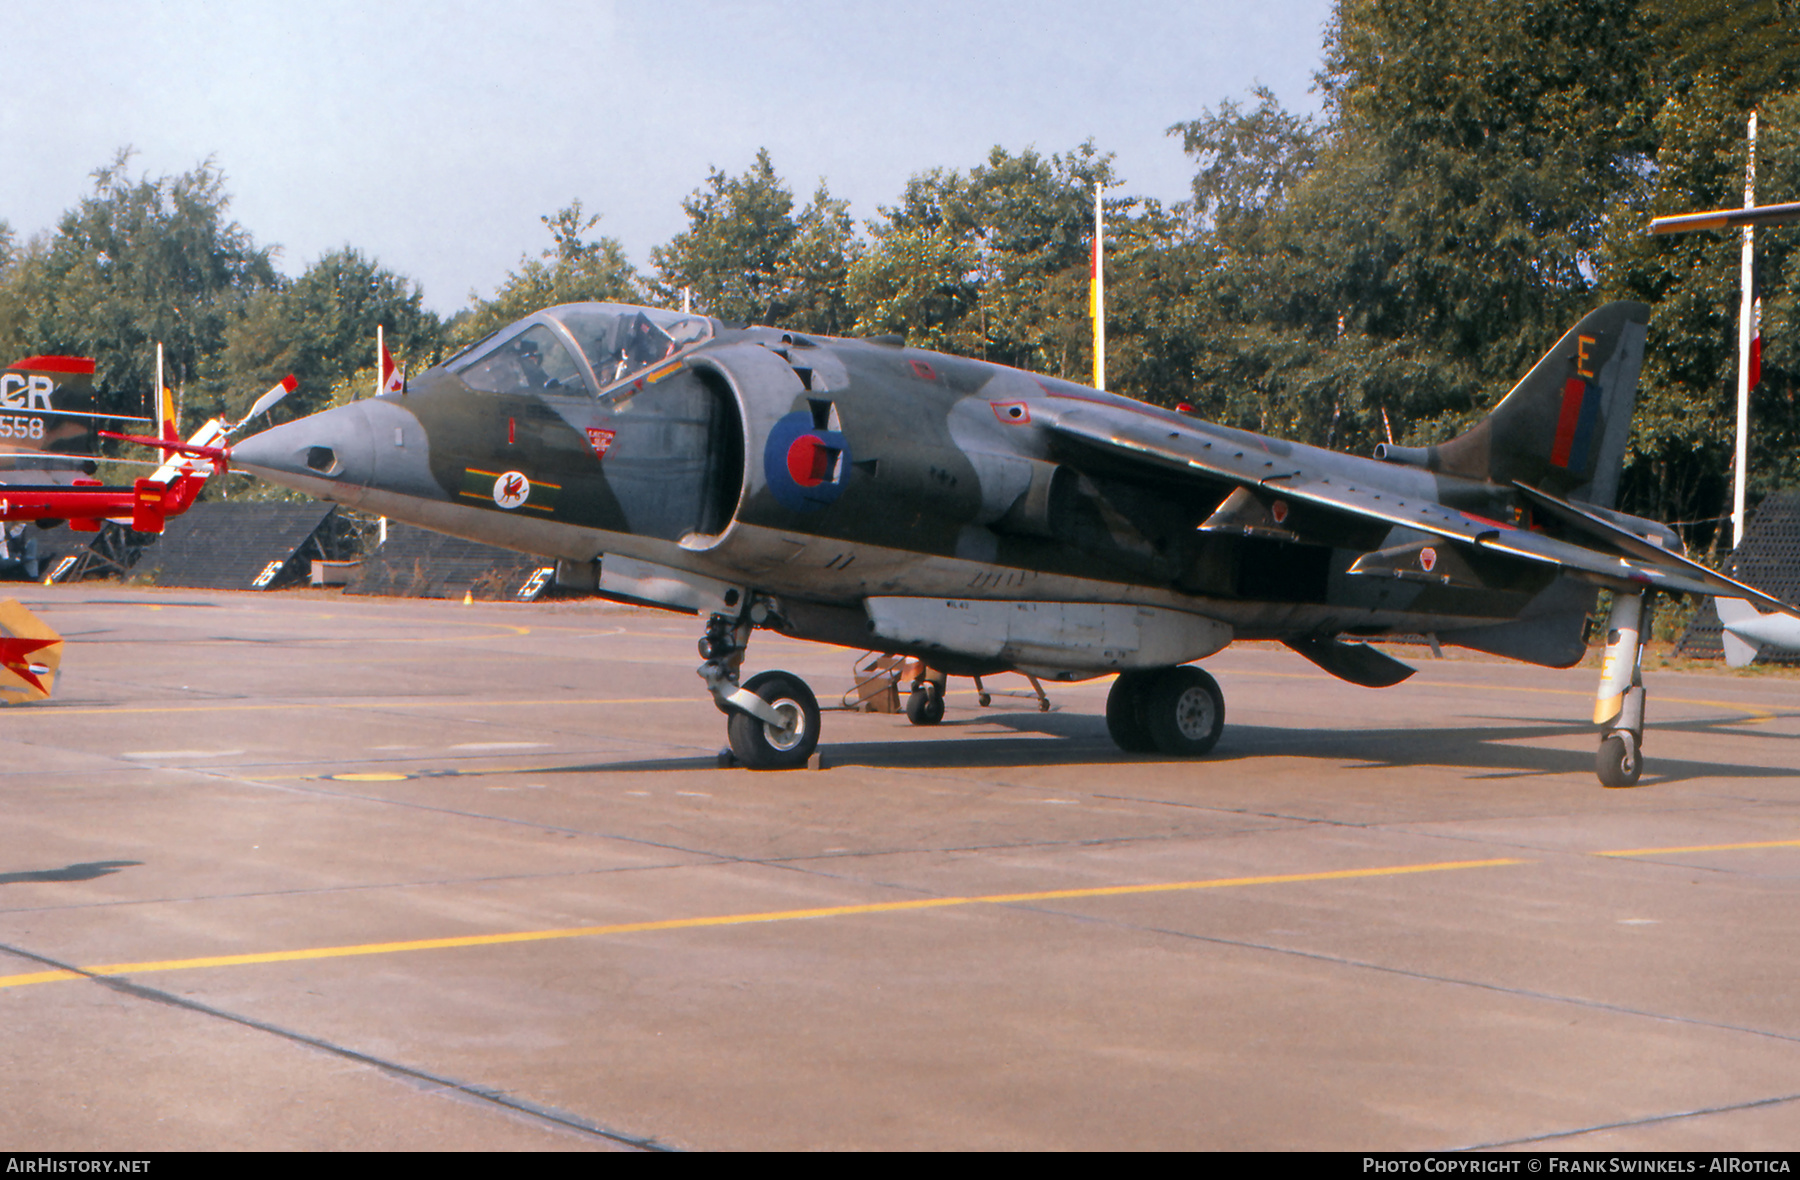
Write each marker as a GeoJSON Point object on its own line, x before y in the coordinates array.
{"type": "Point", "coordinates": [1486, 751]}
{"type": "Point", "coordinates": [81, 872]}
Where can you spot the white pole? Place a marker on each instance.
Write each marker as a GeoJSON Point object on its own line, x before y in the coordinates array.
{"type": "Point", "coordinates": [1747, 268]}
{"type": "Point", "coordinates": [380, 352]}
{"type": "Point", "coordinates": [1099, 292]}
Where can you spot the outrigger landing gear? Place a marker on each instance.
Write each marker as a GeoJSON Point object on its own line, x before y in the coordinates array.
{"type": "Point", "coordinates": [1178, 711]}
{"type": "Point", "coordinates": [773, 718]}
{"type": "Point", "coordinates": [925, 703]}
{"type": "Point", "coordinates": [1619, 705]}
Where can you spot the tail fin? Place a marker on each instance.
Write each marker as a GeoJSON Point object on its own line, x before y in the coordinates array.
{"type": "Point", "coordinates": [48, 405]}
{"type": "Point", "coordinates": [1565, 426]}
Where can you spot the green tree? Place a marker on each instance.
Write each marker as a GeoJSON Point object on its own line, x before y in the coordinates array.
{"type": "Point", "coordinates": [137, 262]}
{"type": "Point", "coordinates": [1481, 177]}
{"type": "Point", "coordinates": [917, 282]}
{"type": "Point", "coordinates": [1711, 63]}
{"type": "Point", "coordinates": [747, 257]}
{"type": "Point", "coordinates": [1249, 161]}
{"type": "Point", "coordinates": [572, 269]}
{"type": "Point", "coordinates": [321, 327]}
{"type": "Point", "coordinates": [996, 263]}
{"type": "Point", "coordinates": [13, 343]}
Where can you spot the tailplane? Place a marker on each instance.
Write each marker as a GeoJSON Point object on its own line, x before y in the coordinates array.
{"type": "Point", "coordinates": [1737, 612]}
{"type": "Point", "coordinates": [47, 411]}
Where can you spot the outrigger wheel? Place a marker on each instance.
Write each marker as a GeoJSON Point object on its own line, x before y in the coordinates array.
{"type": "Point", "coordinates": [1177, 711]}
{"type": "Point", "coordinates": [925, 703]}
{"type": "Point", "coordinates": [1619, 762]}
{"type": "Point", "coordinates": [762, 745]}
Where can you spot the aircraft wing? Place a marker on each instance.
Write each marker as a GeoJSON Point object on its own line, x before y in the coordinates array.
{"type": "Point", "coordinates": [1236, 458]}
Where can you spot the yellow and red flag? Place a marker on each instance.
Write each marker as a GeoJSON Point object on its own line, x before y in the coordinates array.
{"type": "Point", "coordinates": [1097, 293]}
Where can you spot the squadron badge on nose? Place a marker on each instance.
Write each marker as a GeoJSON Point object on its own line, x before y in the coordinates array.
{"type": "Point", "coordinates": [512, 489]}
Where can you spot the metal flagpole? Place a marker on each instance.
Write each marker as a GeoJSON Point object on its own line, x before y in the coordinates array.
{"type": "Point", "coordinates": [1747, 268]}
{"type": "Point", "coordinates": [380, 356]}
{"type": "Point", "coordinates": [1098, 292]}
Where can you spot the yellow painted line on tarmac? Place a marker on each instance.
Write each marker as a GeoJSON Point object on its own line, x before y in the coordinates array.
{"type": "Point", "coordinates": [298, 706]}
{"type": "Point", "coordinates": [839, 911]}
{"type": "Point", "coordinates": [1757, 713]}
{"type": "Point", "coordinates": [1701, 848]}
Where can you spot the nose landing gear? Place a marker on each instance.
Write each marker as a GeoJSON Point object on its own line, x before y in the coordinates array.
{"type": "Point", "coordinates": [773, 718]}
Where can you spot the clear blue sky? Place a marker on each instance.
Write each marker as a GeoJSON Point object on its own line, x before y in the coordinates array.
{"type": "Point", "coordinates": [433, 135]}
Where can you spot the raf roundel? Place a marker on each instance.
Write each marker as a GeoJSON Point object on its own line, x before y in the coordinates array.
{"type": "Point", "coordinates": [512, 489]}
{"type": "Point", "coordinates": [805, 465]}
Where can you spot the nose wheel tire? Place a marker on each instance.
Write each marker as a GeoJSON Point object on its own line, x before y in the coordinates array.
{"type": "Point", "coordinates": [1619, 762]}
{"type": "Point", "coordinates": [925, 704]}
{"type": "Point", "coordinates": [1183, 711]}
{"type": "Point", "coordinates": [1125, 713]}
{"type": "Point", "coordinates": [762, 746]}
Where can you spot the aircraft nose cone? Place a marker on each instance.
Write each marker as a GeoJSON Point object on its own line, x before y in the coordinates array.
{"type": "Point", "coordinates": [328, 455]}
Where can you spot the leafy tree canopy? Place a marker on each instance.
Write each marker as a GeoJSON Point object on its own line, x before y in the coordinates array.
{"type": "Point", "coordinates": [137, 262]}
{"type": "Point", "coordinates": [321, 327]}
{"type": "Point", "coordinates": [572, 269]}
{"type": "Point", "coordinates": [746, 256]}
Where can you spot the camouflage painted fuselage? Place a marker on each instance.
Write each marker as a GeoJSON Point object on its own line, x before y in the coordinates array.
{"type": "Point", "coordinates": [826, 472]}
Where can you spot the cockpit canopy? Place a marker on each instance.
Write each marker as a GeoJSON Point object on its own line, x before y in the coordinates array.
{"type": "Point", "coordinates": [578, 348]}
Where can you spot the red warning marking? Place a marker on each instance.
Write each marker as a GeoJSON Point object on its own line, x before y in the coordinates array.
{"type": "Point", "coordinates": [922, 370]}
{"type": "Point", "coordinates": [1279, 511]}
{"type": "Point", "coordinates": [600, 440]}
{"type": "Point", "coordinates": [1427, 558]}
{"type": "Point", "coordinates": [1499, 524]}
{"type": "Point", "coordinates": [1012, 413]}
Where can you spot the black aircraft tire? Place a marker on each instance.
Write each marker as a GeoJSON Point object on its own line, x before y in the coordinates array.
{"type": "Point", "coordinates": [1620, 762]}
{"type": "Point", "coordinates": [1184, 711]}
{"type": "Point", "coordinates": [925, 704]}
{"type": "Point", "coordinates": [1125, 713]}
{"type": "Point", "coordinates": [761, 747]}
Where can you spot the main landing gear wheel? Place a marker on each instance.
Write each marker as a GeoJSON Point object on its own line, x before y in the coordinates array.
{"type": "Point", "coordinates": [1125, 712]}
{"type": "Point", "coordinates": [1183, 711]}
{"type": "Point", "coordinates": [925, 704]}
{"type": "Point", "coordinates": [1619, 762]}
{"type": "Point", "coordinates": [762, 746]}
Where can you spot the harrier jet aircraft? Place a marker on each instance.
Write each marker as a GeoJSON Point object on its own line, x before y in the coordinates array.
{"type": "Point", "coordinates": [984, 519]}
